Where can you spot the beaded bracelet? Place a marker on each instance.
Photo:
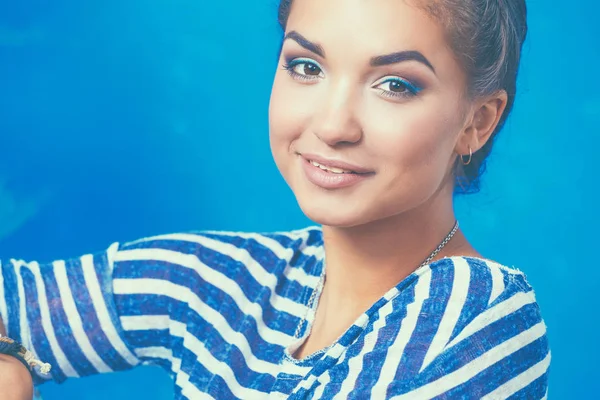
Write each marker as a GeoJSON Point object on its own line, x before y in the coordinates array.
{"type": "Point", "coordinates": [15, 349]}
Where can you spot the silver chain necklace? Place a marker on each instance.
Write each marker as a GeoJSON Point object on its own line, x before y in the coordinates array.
{"type": "Point", "coordinates": [319, 286]}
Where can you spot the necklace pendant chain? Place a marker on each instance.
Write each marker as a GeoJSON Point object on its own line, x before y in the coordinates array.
{"type": "Point", "coordinates": [441, 245]}
{"type": "Point", "coordinates": [425, 262]}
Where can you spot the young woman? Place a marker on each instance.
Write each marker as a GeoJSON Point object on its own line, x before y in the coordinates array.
{"type": "Point", "coordinates": [380, 112]}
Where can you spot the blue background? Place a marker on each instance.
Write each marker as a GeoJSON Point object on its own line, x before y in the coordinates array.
{"type": "Point", "coordinates": [124, 119]}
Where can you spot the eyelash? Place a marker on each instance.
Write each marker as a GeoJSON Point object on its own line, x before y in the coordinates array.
{"type": "Point", "coordinates": [291, 64]}
{"type": "Point", "coordinates": [411, 89]}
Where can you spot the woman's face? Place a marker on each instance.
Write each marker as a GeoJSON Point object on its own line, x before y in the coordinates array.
{"type": "Point", "coordinates": [366, 109]}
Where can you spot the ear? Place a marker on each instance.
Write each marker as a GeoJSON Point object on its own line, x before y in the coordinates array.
{"type": "Point", "coordinates": [483, 121]}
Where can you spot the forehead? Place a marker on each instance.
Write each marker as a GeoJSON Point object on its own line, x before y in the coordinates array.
{"type": "Point", "coordinates": [368, 26]}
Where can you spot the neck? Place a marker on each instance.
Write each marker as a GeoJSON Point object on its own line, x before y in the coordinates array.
{"type": "Point", "coordinates": [364, 262]}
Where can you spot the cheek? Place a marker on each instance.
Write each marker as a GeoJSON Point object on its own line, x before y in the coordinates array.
{"type": "Point", "coordinates": [288, 109]}
{"type": "Point", "coordinates": [413, 143]}
{"type": "Point", "coordinates": [291, 108]}
{"type": "Point", "coordinates": [286, 122]}
{"type": "Point", "coordinates": [280, 126]}
{"type": "Point", "coordinates": [411, 136]}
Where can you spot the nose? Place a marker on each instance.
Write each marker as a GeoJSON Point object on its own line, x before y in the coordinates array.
{"type": "Point", "coordinates": [336, 122]}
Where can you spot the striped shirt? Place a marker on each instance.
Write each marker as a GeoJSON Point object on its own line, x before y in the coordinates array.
{"type": "Point", "coordinates": [219, 311]}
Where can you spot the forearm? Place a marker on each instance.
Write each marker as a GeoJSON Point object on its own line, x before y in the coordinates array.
{"type": "Point", "coordinates": [64, 313]}
{"type": "Point", "coordinates": [15, 380]}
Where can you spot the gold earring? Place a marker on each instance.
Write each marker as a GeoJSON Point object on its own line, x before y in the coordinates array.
{"type": "Point", "coordinates": [470, 157]}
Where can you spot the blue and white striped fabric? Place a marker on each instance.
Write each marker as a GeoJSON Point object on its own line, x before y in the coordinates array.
{"type": "Point", "coordinates": [219, 311]}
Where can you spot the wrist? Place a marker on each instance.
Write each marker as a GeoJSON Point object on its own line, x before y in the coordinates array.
{"type": "Point", "coordinates": [11, 348]}
{"type": "Point", "coordinates": [16, 382]}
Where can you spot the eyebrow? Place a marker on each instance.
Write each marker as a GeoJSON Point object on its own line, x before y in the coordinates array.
{"type": "Point", "coordinates": [378, 61]}
{"type": "Point", "coordinates": [401, 56]}
{"type": "Point", "coordinates": [304, 42]}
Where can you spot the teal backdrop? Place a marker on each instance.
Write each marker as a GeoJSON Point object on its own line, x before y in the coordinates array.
{"type": "Point", "coordinates": [122, 119]}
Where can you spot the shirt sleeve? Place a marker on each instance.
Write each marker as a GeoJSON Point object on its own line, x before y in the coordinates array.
{"type": "Point", "coordinates": [65, 313]}
{"type": "Point", "coordinates": [176, 294]}
{"type": "Point", "coordinates": [160, 300]}
{"type": "Point", "coordinates": [503, 352]}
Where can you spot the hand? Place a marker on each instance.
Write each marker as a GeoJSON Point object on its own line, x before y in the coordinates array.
{"type": "Point", "coordinates": [15, 379]}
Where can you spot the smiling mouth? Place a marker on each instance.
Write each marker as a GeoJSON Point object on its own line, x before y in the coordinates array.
{"type": "Point", "coordinates": [333, 174]}
{"type": "Point", "coordinates": [332, 170]}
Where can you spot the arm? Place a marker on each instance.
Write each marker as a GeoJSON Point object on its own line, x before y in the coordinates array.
{"type": "Point", "coordinates": [134, 303]}
{"type": "Point", "coordinates": [64, 313]}
{"type": "Point", "coordinates": [15, 380]}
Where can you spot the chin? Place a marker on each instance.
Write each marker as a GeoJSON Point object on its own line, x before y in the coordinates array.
{"type": "Point", "coordinates": [337, 220]}
{"type": "Point", "coordinates": [328, 213]}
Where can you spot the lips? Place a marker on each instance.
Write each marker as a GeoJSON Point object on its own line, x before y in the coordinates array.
{"type": "Point", "coordinates": [333, 170]}
{"type": "Point", "coordinates": [332, 174]}
{"type": "Point", "coordinates": [335, 165]}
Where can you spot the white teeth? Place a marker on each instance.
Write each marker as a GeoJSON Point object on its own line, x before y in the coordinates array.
{"type": "Point", "coordinates": [330, 169]}
{"type": "Point", "coordinates": [337, 171]}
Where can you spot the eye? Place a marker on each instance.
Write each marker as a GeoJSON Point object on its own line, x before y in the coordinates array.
{"type": "Point", "coordinates": [397, 87]}
{"type": "Point", "coordinates": [303, 69]}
